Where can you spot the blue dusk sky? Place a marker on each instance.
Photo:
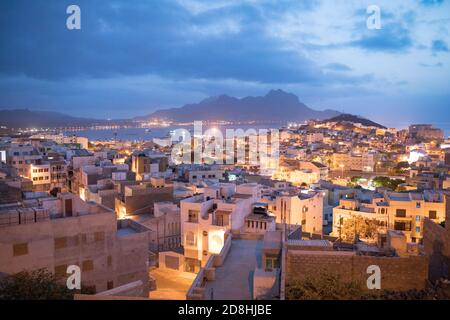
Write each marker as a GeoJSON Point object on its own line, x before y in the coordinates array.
{"type": "Point", "coordinates": [133, 57]}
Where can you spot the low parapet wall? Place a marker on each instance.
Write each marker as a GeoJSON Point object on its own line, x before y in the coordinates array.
{"type": "Point", "coordinates": [130, 291]}
{"type": "Point", "coordinates": [207, 273]}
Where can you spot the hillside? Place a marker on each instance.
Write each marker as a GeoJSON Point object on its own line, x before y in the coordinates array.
{"type": "Point", "coordinates": [276, 106]}
{"type": "Point", "coordinates": [24, 118]}
{"type": "Point", "coordinates": [350, 118]}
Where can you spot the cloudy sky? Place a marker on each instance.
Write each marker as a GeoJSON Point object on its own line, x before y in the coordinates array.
{"type": "Point", "coordinates": [132, 57]}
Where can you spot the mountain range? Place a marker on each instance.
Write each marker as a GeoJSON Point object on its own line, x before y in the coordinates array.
{"type": "Point", "coordinates": [25, 118]}
{"type": "Point", "coordinates": [275, 106]}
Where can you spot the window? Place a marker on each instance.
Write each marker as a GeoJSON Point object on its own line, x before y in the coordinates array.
{"type": "Point", "coordinates": [110, 285]}
{"type": "Point", "coordinates": [193, 216]}
{"type": "Point", "coordinates": [402, 226]}
{"type": "Point", "coordinates": [418, 229]}
{"type": "Point", "coordinates": [20, 249]}
{"type": "Point", "coordinates": [401, 213]}
{"type": "Point", "coordinates": [417, 204]}
{"type": "Point", "coordinates": [432, 214]}
{"type": "Point", "coordinates": [417, 218]}
{"type": "Point", "coordinates": [88, 265]}
{"type": "Point", "coordinates": [60, 271]}
{"type": "Point", "coordinates": [60, 243]}
{"type": "Point", "coordinates": [190, 239]}
{"type": "Point", "coordinates": [109, 261]}
{"type": "Point", "coordinates": [99, 236]}
{"type": "Point", "coordinates": [272, 262]}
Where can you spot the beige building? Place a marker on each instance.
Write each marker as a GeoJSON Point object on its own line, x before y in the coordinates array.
{"type": "Point", "coordinates": [137, 199]}
{"type": "Point", "coordinates": [208, 219]}
{"type": "Point", "coordinates": [350, 162]}
{"type": "Point", "coordinates": [301, 209]}
{"type": "Point", "coordinates": [165, 223]}
{"type": "Point", "coordinates": [54, 233]}
{"type": "Point", "coordinates": [395, 211]}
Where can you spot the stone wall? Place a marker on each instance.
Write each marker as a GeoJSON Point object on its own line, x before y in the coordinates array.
{"type": "Point", "coordinates": [396, 273]}
{"type": "Point", "coordinates": [436, 245]}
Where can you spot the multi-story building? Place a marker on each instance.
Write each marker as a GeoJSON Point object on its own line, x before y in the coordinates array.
{"type": "Point", "coordinates": [354, 162]}
{"type": "Point", "coordinates": [394, 211]}
{"type": "Point", "coordinates": [20, 156]}
{"type": "Point", "coordinates": [425, 131]}
{"type": "Point", "coordinates": [208, 219]}
{"type": "Point", "coordinates": [56, 232]}
{"type": "Point", "coordinates": [165, 223]}
{"type": "Point", "coordinates": [148, 163]}
{"type": "Point", "coordinates": [141, 197]}
{"type": "Point", "coordinates": [300, 209]}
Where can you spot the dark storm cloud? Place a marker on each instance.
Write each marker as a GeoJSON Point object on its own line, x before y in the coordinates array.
{"type": "Point", "coordinates": [147, 37]}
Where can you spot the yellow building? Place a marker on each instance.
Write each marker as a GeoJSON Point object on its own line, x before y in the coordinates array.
{"type": "Point", "coordinates": [394, 211]}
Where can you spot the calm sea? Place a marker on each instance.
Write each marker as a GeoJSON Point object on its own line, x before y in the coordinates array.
{"type": "Point", "coordinates": [142, 134]}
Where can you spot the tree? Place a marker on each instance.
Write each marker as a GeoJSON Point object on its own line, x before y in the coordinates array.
{"type": "Point", "coordinates": [33, 285]}
{"type": "Point", "coordinates": [364, 228]}
{"type": "Point", "coordinates": [325, 286]}
{"type": "Point", "coordinates": [386, 182]}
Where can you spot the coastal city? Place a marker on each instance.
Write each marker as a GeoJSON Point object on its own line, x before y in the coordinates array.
{"type": "Point", "coordinates": [344, 194]}
{"type": "Point", "coordinates": [224, 158]}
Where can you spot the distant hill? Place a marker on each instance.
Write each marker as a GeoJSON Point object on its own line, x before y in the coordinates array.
{"type": "Point", "coordinates": [350, 118]}
{"type": "Point", "coordinates": [276, 106]}
{"type": "Point", "coordinates": [24, 118]}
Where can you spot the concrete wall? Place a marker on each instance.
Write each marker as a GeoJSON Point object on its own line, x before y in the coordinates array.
{"type": "Point", "coordinates": [89, 241]}
{"type": "Point", "coordinates": [436, 241]}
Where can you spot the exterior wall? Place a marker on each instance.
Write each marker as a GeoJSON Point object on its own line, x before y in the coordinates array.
{"type": "Point", "coordinates": [200, 175]}
{"type": "Point", "coordinates": [167, 231]}
{"type": "Point", "coordinates": [412, 213]}
{"type": "Point", "coordinates": [344, 214]}
{"type": "Point", "coordinates": [144, 198]}
{"type": "Point", "coordinates": [39, 174]}
{"type": "Point", "coordinates": [365, 162]}
{"type": "Point", "coordinates": [305, 212]}
{"type": "Point", "coordinates": [436, 241]}
{"type": "Point", "coordinates": [396, 273]}
{"type": "Point", "coordinates": [176, 261]}
{"type": "Point", "coordinates": [416, 212]}
{"type": "Point", "coordinates": [200, 238]}
{"type": "Point", "coordinates": [78, 162]}
{"type": "Point", "coordinates": [89, 241]}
